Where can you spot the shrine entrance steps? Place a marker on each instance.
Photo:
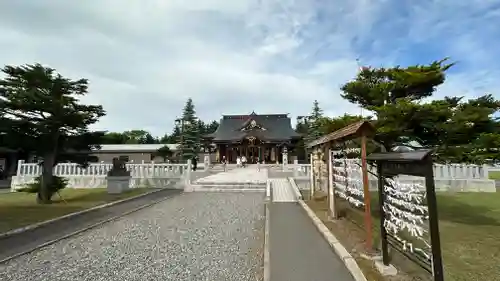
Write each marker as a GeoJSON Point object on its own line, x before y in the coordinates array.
{"type": "Point", "coordinates": [249, 179]}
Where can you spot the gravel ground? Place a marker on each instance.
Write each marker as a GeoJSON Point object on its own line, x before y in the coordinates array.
{"type": "Point", "coordinates": [195, 236]}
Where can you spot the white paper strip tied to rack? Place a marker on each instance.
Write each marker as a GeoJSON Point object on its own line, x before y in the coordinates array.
{"type": "Point", "coordinates": [347, 178]}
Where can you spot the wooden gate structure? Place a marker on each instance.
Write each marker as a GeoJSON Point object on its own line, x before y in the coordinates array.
{"type": "Point", "coordinates": [323, 154]}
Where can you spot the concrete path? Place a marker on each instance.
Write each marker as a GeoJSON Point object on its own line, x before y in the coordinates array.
{"type": "Point", "coordinates": [297, 250]}
{"type": "Point", "coordinates": [282, 191]}
{"type": "Point", "coordinates": [248, 175]}
{"type": "Point", "coordinates": [193, 236]}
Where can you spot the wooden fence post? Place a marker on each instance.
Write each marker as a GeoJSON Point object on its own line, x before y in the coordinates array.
{"type": "Point", "coordinates": [366, 193]}
{"type": "Point", "coordinates": [311, 193]}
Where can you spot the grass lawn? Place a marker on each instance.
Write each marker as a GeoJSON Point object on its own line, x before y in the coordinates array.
{"type": "Point", "coordinates": [494, 175]}
{"type": "Point", "coordinates": [470, 237]}
{"type": "Point", "coordinates": [20, 209]}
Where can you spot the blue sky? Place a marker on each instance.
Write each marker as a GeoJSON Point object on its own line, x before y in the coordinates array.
{"type": "Point", "coordinates": [145, 58]}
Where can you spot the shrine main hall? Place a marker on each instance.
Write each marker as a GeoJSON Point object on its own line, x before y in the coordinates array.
{"type": "Point", "coordinates": [257, 137]}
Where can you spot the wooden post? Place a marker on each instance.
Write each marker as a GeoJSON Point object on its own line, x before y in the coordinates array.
{"type": "Point", "coordinates": [311, 195]}
{"type": "Point", "coordinates": [383, 232]}
{"type": "Point", "coordinates": [324, 150]}
{"type": "Point", "coordinates": [437, 262]}
{"type": "Point", "coordinates": [331, 188]}
{"type": "Point", "coordinates": [366, 191]}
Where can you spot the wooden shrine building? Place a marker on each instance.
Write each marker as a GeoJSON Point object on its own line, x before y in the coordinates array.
{"type": "Point", "coordinates": [257, 137]}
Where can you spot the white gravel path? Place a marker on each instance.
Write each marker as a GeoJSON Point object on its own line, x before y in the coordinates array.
{"type": "Point", "coordinates": [196, 236]}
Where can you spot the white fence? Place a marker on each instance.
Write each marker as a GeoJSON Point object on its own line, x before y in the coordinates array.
{"type": "Point", "coordinates": [461, 171]}
{"type": "Point", "coordinates": [94, 176]}
{"type": "Point", "coordinates": [299, 170]}
{"type": "Point", "coordinates": [454, 177]}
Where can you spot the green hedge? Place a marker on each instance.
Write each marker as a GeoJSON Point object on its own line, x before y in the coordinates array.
{"type": "Point", "coordinates": [58, 183]}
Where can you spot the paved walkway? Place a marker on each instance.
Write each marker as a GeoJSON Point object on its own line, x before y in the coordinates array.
{"type": "Point", "coordinates": [297, 250]}
{"type": "Point", "coordinates": [248, 175]}
{"type": "Point", "coordinates": [282, 191]}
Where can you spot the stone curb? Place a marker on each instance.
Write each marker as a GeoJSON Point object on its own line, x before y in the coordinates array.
{"type": "Point", "coordinates": [344, 255]}
{"type": "Point", "coordinates": [70, 215]}
{"type": "Point", "coordinates": [267, 268]}
{"type": "Point", "coordinates": [295, 188]}
{"type": "Point", "coordinates": [87, 228]}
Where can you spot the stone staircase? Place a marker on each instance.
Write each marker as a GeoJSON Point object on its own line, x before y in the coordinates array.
{"type": "Point", "coordinates": [238, 179]}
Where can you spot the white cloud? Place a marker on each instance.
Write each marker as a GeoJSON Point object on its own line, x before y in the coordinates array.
{"type": "Point", "coordinates": [145, 58]}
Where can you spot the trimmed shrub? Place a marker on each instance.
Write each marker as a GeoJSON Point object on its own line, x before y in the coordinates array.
{"type": "Point", "coordinates": [58, 183]}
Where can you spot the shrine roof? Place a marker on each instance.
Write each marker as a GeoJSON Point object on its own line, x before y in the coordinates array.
{"type": "Point", "coordinates": [270, 127]}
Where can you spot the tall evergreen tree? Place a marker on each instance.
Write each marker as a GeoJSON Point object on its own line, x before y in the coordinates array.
{"type": "Point", "coordinates": [301, 128]}
{"type": "Point", "coordinates": [174, 137]}
{"type": "Point", "coordinates": [201, 127]}
{"type": "Point", "coordinates": [46, 118]}
{"type": "Point", "coordinates": [313, 122]}
{"type": "Point", "coordinates": [190, 132]}
{"type": "Point", "coordinates": [211, 127]}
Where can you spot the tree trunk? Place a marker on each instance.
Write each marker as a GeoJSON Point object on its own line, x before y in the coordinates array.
{"type": "Point", "coordinates": [45, 193]}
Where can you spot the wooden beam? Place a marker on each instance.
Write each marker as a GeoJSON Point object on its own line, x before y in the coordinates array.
{"type": "Point", "coordinates": [331, 189]}
{"type": "Point", "coordinates": [366, 192]}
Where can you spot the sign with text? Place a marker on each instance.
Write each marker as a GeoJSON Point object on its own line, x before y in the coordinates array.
{"type": "Point", "coordinates": [409, 223]}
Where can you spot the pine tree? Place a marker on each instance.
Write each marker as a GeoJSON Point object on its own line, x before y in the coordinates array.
{"type": "Point", "coordinates": [41, 114]}
{"type": "Point", "coordinates": [190, 136]}
{"type": "Point", "coordinates": [313, 123]}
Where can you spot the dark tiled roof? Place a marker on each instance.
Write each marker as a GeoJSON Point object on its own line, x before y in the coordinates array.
{"type": "Point", "coordinates": [348, 132]}
{"type": "Point", "coordinates": [276, 127]}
